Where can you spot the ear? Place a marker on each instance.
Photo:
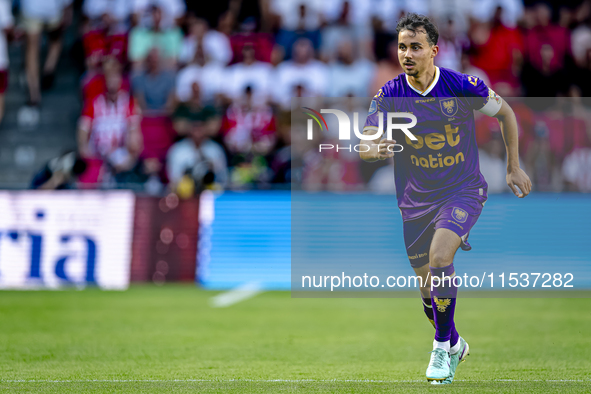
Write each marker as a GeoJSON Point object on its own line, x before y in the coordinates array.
{"type": "Point", "coordinates": [434, 50]}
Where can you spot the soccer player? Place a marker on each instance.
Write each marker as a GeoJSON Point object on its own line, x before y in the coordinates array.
{"type": "Point", "coordinates": [439, 187]}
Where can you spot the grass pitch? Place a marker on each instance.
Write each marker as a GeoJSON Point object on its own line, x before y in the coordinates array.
{"type": "Point", "coordinates": [168, 339]}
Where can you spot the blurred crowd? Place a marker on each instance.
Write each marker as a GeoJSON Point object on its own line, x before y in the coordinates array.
{"type": "Point", "coordinates": [184, 96]}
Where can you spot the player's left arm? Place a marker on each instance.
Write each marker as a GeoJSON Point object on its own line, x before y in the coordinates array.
{"type": "Point", "coordinates": [489, 103]}
{"type": "Point", "coordinates": [516, 177]}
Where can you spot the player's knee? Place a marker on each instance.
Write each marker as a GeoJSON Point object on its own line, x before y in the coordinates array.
{"type": "Point", "coordinates": [440, 258]}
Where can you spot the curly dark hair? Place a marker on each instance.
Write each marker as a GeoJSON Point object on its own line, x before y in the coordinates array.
{"type": "Point", "coordinates": [414, 22]}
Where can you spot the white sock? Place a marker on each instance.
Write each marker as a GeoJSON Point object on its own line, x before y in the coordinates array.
{"type": "Point", "coordinates": [441, 345]}
{"type": "Point", "coordinates": [455, 348]}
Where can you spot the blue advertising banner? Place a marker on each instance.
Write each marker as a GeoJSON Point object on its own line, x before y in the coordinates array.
{"type": "Point", "coordinates": [259, 236]}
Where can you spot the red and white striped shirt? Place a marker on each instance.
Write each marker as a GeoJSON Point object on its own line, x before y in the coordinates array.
{"type": "Point", "coordinates": [109, 123]}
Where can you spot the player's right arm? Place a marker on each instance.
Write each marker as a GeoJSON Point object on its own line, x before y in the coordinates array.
{"type": "Point", "coordinates": [376, 149]}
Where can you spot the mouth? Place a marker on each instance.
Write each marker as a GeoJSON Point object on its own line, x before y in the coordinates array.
{"type": "Point", "coordinates": [409, 65]}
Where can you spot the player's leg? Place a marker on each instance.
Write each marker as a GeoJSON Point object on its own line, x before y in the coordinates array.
{"type": "Point", "coordinates": [453, 224]}
{"type": "Point", "coordinates": [418, 234]}
{"type": "Point", "coordinates": [418, 237]}
{"type": "Point", "coordinates": [425, 274]}
{"type": "Point", "coordinates": [443, 298]}
{"type": "Point", "coordinates": [443, 294]}
{"type": "Point", "coordinates": [458, 346]}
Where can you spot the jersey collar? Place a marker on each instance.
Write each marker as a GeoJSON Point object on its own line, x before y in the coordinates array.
{"type": "Point", "coordinates": [425, 92]}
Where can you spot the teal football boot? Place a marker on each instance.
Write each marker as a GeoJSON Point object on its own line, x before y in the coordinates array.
{"type": "Point", "coordinates": [455, 360]}
{"type": "Point", "coordinates": [439, 366]}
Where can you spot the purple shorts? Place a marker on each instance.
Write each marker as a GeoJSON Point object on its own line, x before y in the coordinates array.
{"type": "Point", "coordinates": [458, 214]}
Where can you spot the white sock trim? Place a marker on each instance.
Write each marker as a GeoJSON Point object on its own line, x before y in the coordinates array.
{"type": "Point", "coordinates": [441, 345]}
{"type": "Point", "coordinates": [455, 348]}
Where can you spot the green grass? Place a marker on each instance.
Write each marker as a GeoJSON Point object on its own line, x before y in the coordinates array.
{"type": "Point", "coordinates": [168, 339]}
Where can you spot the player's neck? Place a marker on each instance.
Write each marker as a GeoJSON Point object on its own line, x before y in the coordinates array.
{"type": "Point", "coordinates": [423, 81]}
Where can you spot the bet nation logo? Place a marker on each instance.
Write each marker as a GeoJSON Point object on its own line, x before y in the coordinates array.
{"type": "Point", "coordinates": [345, 128]}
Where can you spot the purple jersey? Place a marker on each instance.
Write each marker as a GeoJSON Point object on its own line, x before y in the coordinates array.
{"type": "Point", "coordinates": [444, 160]}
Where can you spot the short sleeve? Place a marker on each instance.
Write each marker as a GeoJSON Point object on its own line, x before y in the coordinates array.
{"type": "Point", "coordinates": [570, 167]}
{"type": "Point", "coordinates": [483, 98]}
{"type": "Point", "coordinates": [378, 105]}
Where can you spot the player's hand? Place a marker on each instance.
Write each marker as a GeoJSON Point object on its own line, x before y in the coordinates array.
{"type": "Point", "coordinates": [518, 178]}
{"type": "Point", "coordinates": [383, 152]}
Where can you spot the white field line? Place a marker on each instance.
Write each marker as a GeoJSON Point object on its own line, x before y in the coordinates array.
{"type": "Point", "coordinates": [282, 381]}
{"type": "Point", "coordinates": [240, 293]}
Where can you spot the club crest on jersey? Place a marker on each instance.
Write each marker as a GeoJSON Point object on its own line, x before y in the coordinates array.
{"type": "Point", "coordinates": [373, 107]}
{"type": "Point", "coordinates": [449, 106]}
{"type": "Point", "coordinates": [459, 215]}
{"type": "Point", "coordinates": [442, 303]}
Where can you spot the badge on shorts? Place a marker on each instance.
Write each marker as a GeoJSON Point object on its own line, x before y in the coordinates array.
{"type": "Point", "coordinates": [459, 215]}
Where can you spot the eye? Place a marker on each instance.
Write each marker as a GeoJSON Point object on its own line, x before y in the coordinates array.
{"type": "Point", "coordinates": [415, 47]}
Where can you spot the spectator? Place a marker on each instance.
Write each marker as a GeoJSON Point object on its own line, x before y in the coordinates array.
{"type": "Point", "coordinates": [450, 45]}
{"type": "Point", "coordinates": [248, 132]}
{"type": "Point", "coordinates": [498, 50]}
{"type": "Point", "coordinates": [154, 88]}
{"type": "Point", "coordinates": [387, 69]}
{"type": "Point", "coordinates": [118, 10]}
{"type": "Point", "coordinates": [59, 173]}
{"type": "Point", "coordinates": [209, 76]}
{"type": "Point", "coordinates": [195, 109]}
{"type": "Point", "coordinates": [196, 163]}
{"type": "Point", "coordinates": [281, 161]}
{"type": "Point", "coordinates": [576, 170]}
{"type": "Point", "coordinates": [249, 72]}
{"type": "Point", "coordinates": [493, 165]}
{"type": "Point", "coordinates": [542, 165]}
{"type": "Point", "coordinates": [301, 72]}
{"type": "Point", "coordinates": [583, 76]}
{"type": "Point", "coordinates": [349, 75]}
{"type": "Point", "coordinates": [167, 39]}
{"type": "Point", "coordinates": [547, 55]}
{"type": "Point", "coordinates": [297, 20]}
{"type": "Point", "coordinates": [581, 42]}
{"type": "Point", "coordinates": [382, 181]}
{"type": "Point", "coordinates": [567, 126]}
{"type": "Point", "coordinates": [297, 14]}
{"type": "Point", "coordinates": [247, 35]}
{"type": "Point", "coordinates": [6, 25]}
{"type": "Point", "coordinates": [468, 68]}
{"type": "Point", "coordinates": [458, 11]}
{"type": "Point", "coordinates": [215, 45]}
{"type": "Point", "coordinates": [339, 29]}
{"type": "Point", "coordinates": [108, 136]}
{"type": "Point", "coordinates": [172, 12]}
{"type": "Point", "coordinates": [507, 12]}
{"type": "Point", "coordinates": [108, 37]}
{"type": "Point", "coordinates": [93, 83]}
{"type": "Point", "coordinates": [37, 14]}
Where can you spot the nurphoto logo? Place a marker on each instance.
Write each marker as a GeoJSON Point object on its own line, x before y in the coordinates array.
{"type": "Point", "coordinates": [345, 129]}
